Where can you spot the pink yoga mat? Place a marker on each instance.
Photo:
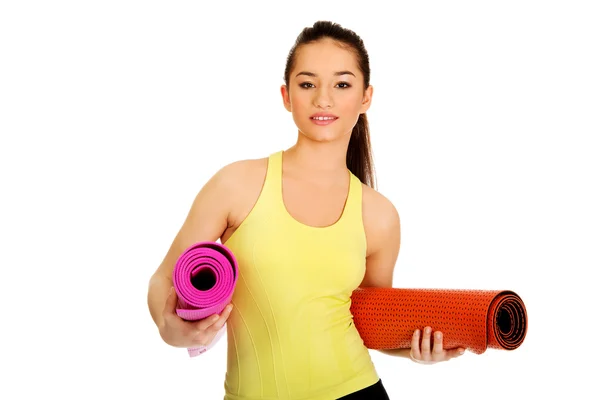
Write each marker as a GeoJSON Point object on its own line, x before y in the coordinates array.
{"type": "Point", "coordinates": [204, 279]}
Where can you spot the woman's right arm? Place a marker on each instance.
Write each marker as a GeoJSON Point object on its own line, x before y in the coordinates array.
{"type": "Point", "coordinates": [207, 219]}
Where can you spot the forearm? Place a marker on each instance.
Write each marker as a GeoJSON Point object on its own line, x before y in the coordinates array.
{"type": "Point", "coordinates": [397, 352]}
{"type": "Point", "coordinates": [158, 291]}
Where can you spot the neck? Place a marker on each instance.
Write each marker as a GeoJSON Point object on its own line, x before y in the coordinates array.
{"type": "Point", "coordinates": [313, 157]}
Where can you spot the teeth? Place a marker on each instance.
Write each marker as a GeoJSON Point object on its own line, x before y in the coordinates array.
{"type": "Point", "coordinates": [323, 118]}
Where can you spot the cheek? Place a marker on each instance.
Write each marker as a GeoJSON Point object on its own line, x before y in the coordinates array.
{"type": "Point", "coordinates": [351, 104]}
{"type": "Point", "coordinates": [299, 100]}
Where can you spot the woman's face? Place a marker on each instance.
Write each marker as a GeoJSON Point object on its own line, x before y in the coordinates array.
{"type": "Point", "coordinates": [325, 93]}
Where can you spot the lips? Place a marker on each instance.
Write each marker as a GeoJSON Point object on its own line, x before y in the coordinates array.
{"type": "Point", "coordinates": [323, 116]}
{"type": "Point", "coordinates": [323, 121]}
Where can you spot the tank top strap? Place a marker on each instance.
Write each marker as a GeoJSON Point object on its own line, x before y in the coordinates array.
{"type": "Point", "coordinates": [271, 191]}
{"type": "Point", "coordinates": [274, 173]}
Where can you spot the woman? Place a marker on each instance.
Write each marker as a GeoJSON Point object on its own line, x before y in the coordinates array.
{"type": "Point", "coordinates": [307, 228]}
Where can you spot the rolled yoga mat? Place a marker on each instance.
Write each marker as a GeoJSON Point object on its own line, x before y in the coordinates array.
{"type": "Point", "coordinates": [386, 318]}
{"type": "Point", "coordinates": [204, 279]}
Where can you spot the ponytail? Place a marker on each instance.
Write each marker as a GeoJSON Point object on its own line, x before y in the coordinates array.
{"type": "Point", "coordinates": [359, 158]}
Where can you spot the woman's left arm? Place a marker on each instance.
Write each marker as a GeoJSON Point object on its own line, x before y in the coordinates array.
{"type": "Point", "coordinates": [382, 228]}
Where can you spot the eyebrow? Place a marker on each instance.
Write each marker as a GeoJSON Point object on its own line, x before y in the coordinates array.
{"type": "Point", "coordinates": [315, 75]}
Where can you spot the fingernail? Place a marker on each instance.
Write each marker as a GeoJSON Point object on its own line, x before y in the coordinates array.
{"type": "Point", "coordinates": [438, 335]}
{"type": "Point", "coordinates": [461, 351]}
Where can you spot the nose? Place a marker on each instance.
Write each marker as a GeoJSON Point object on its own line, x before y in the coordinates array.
{"type": "Point", "coordinates": [323, 98]}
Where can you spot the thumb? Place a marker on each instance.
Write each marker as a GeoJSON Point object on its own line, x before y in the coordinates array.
{"type": "Point", "coordinates": [455, 352]}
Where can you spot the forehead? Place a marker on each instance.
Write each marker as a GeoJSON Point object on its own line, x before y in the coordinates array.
{"type": "Point", "coordinates": [325, 57]}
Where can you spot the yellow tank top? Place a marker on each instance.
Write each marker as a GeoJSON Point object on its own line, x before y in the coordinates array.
{"type": "Point", "coordinates": [291, 335]}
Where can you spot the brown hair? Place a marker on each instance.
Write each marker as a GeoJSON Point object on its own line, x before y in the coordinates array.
{"type": "Point", "coordinates": [359, 158]}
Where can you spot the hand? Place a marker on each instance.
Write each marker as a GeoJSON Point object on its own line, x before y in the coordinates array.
{"type": "Point", "coordinates": [422, 353]}
{"type": "Point", "coordinates": [178, 332]}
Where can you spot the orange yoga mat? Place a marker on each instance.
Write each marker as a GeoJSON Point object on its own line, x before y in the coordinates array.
{"type": "Point", "coordinates": [476, 320]}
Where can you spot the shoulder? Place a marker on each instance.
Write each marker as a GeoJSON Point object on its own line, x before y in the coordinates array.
{"type": "Point", "coordinates": [234, 182]}
{"type": "Point", "coordinates": [238, 174]}
{"type": "Point", "coordinates": [381, 219]}
{"type": "Point", "coordinates": [241, 183]}
{"type": "Point", "coordinates": [378, 209]}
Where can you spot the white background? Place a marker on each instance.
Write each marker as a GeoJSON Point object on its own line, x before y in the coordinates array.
{"type": "Point", "coordinates": [113, 115]}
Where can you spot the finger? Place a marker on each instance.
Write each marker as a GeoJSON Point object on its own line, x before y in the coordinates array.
{"type": "Point", "coordinates": [228, 310]}
{"type": "Point", "coordinates": [215, 321]}
{"type": "Point", "coordinates": [170, 303]}
{"type": "Point", "coordinates": [438, 348]}
{"type": "Point", "coordinates": [453, 353]}
{"type": "Point", "coordinates": [209, 336]}
{"type": "Point", "coordinates": [207, 322]}
{"type": "Point", "coordinates": [414, 345]}
{"type": "Point", "coordinates": [222, 319]}
{"type": "Point", "coordinates": [426, 343]}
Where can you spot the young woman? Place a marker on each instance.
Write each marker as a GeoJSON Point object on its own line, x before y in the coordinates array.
{"type": "Point", "coordinates": [307, 228]}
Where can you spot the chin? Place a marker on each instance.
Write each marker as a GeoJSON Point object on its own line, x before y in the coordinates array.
{"type": "Point", "coordinates": [323, 136]}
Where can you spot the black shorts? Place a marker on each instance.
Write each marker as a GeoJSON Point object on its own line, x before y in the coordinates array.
{"type": "Point", "coordinates": [373, 392]}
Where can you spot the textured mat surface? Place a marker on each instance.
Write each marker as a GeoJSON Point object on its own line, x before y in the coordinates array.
{"type": "Point", "coordinates": [204, 279]}
{"type": "Point", "coordinates": [386, 318]}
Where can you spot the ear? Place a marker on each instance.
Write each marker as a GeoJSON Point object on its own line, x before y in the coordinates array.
{"type": "Point", "coordinates": [286, 98]}
{"type": "Point", "coordinates": [366, 102]}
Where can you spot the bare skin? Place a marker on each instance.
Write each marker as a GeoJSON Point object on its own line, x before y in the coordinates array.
{"type": "Point", "coordinates": [315, 186]}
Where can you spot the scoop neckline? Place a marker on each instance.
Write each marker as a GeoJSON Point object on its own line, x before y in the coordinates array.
{"type": "Point", "coordinates": [291, 217]}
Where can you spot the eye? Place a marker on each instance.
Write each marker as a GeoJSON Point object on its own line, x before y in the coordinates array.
{"type": "Point", "coordinates": [344, 83]}
{"type": "Point", "coordinates": [303, 85]}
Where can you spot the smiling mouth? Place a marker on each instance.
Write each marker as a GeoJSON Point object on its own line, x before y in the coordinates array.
{"type": "Point", "coordinates": [322, 121]}
{"type": "Point", "coordinates": [323, 118]}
